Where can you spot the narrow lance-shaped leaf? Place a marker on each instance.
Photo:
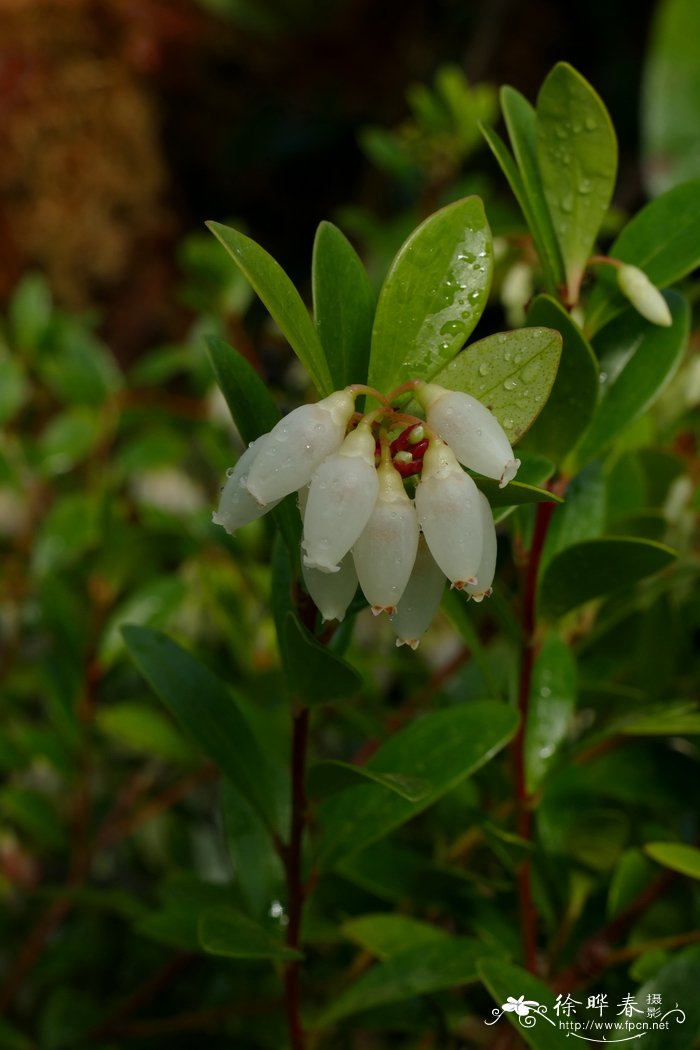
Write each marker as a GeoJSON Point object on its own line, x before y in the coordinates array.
{"type": "Point", "coordinates": [433, 295]}
{"type": "Point", "coordinates": [577, 155]}
{"type": "Point", "coordinates": [207, 710]}
{"type": "Point", "coordinates": [512, 373]}
{"type": "Point", "coordinates": [520, 120]}
{"type": "Point", "coordinates": [233, 934]}
{"type": "Point", "coordinates": [552, 701]}
{"type": "Point", "coordinates": [316, 674]}
{"type": "Point", "coordinates": [325, 778]}
{"type": "Point", "coordinates": [282, 300]}
{"type": "Point", "coordinates": [343, 305]}
{"type": "Point", "coordinates": [507, 984]}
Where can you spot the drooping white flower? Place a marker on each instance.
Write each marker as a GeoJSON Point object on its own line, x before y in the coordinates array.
{"type": "Point", "coordinates": [297, 445]}
{"type": "Point", "coordinates": [236, 505]}
{"type": "Point", "coordinates": [487, 566]}
{"type": "Point", "coordinates": [342, 493]}
{"type": "Point", "coordinates": [476, 437]}
{"type": "Point", "coordinates": [447, 503]}
{"type": "Point", "coordinates": [420, 599]}
{"type": "Point", "coordinates": [332, 592]}
{"type": "Point", "coordinates": [644, 296]}
{"type": "Point", "coordinates": [386, 549]}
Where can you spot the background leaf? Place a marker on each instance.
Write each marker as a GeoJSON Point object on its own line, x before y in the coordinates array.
{"type": "Point", "coordinates": [637, 359]}
{"type": "Point", "coordinates": [325, 778]}
{"type": "Point", "coordinates": [552, 703]}
{"type": "Point", "coordinates": [386, 935]}
{"type": "Point", "coordinates": [343, 306]}
{"type": "Point", "coordinates": [281, 299]}
{"type": "Point", "coordinates": [223, 931]}
{"type": "Point", "coordinates": [503, 980]}
{"type": "Point", "coordinates": [433, 295]}
{"type": "Point", "coordinates": [512, 373]}
{"type": "Point", "coordinates": [577, 155]}
{"type": "Point", "coordinates": [676, 856]}
{"type": "Point", "coordinates": [316, 674]}
{"type": "Point", "coordinates": [596, 568]}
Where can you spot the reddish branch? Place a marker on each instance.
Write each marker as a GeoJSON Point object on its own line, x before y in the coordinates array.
{"type": "Point", "coordinates": [296, 890]}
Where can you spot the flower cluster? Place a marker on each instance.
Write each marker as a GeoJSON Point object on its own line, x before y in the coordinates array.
{"type": "Point", "coordinates": [360, 523]}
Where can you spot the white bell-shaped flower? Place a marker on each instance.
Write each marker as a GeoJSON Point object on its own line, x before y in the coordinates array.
{"type": "Point", "coordinates": [476, 437]}
{"type": "Point", "coordinates": [447, 502]}
{"type": "Point", "coordinates": [386, 549]}
{"type": "Point", "coordinates": [296, 446]}
{"type": "Point", "coordinates": [420, 600]}
{"type": "Point", "coordinates": [236, 505]}
{"type": "Point", "coordinates": [342, 493]}
{"type": "Point", "coordinates": [332, 592]}
{"type": "Point", "coordinates": [487, 566]}
{"type": "Point", "coordinates": [644, 296]}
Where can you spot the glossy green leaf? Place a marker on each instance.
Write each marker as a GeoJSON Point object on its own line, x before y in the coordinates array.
{"type": "Point", "coordinates": [574, 394]}
{"type": "Point", "coordinates": [670, 108]}
{"type": "Point", "coordinates": [582, 516]}
{"type": "Point", "coordinates": [249, 400]}
{"type": "Point", "coordinates": [417, 971]}
{"type": "Point", "coordinates": [677, 983]}
{"type": "Point", "coordinates": [223, 931]}
{"type": "Point", "coordinates": [505, 981]}
{"type": "Point", "coordinates": [520, 120]}
{"type": "Point", "coordinates": [512, 373]}
{"type": "Point", "coordinates": [433, 295]}
{"type": "Point", "coordinates": [316, 674]}
{"type": "Point", "coordinates": [281, 299]}
{"type": "Point", "coordinates": [668, 720]}
{"type": "Point", "coordinates": [552, 703]}
{"type": "Point", "coordinates": [577, 157]}
{"type": "Point", "coordinates": [597, 568]}
{"type": "Point", "coordinates": [343, 305]}
{"type": "Point", "coordinates": [257, 867]}
{"type": "Point", "coordinates": [325, 778]}
{"type": "Point", "coordinates": [676, 856]}
{"type": "Point", "coordinates": [637, 359]}
{"type": "Point", "coordinates": [386, 935]}
{"type": "Point", "coordinates": [663, 239]}
{"type": "Point", "coordinates": [442, 748]}
{"type": "Point", "coordinates": [207, 710]}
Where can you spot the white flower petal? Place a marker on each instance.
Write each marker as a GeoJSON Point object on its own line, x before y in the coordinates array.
{"type": "Point", "coordinates": [236, 505]}
{"type": "Point", "coordinates": [473, 433]}
{"type": "Point", "coordinates": [342, 493]}
{"type": "Point", "coordinates": [420, 600]}
{"type": "Point", "coordinates": [487, 566]}
{"type": "Point", "coordinates": [447, 502]}
{"type": "Point", "coordinates": [386, 549]}
{"type": "Point", "coordinates": [297, 445]}
{"type": "Point", "coordinates": [332, 592]}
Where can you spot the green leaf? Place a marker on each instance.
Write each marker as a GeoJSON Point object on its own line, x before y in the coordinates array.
{"type": "Point", "coordinates": [573, 398]}
{"type": "Point", "coordinates": [281, 299]}
{"type": "Point", "coordinates": [140, 728]}
{"type": "Point", "coordinates": [669, 720]}
{"type": "Point", "coordinates": [512, 373]}
{"type": "Point", "coordinates": [343, 305]}
{"type": "Point", "coordinates": [552, 703]}
{"type": "Point", "coordinates": [256, 864]}
{"type": "Point", "coordinates": [442, 748]}
{"type": "Point", "coordinates": [250, 402]}
{"type": "Point", "coordinates": [596, 568]}
{"type": "Point", "coordinates": [433, 295]}
{"type": "Point", "coordinates": [69, 438]}
{"type": "Point", "coordinates": [515, 493]}
{"type": "Point", "coordinates": [14, 387]}
{"type": "Point", "coordinates": [637, 359]}
{"type": "Point", "coordinates": [520, 120]}
{"type": "Point", "coordinates": [30, 311]}
{"type": "Point", "coordinates": [583, 515]}
{"type": "Point", "coordinates": [316, 674]}
{"type": "Point", "coordinates": [35, 815]}
{"type": "Point", "coordinates": [425, 968]}
{"type": "Point", "coordinates": [663, 239]}
{"type": "Point", "coordinates": [676, 856]}
{"type": "Point", "coordinates": [386, 935]}
{"type": "Point", "coordinates": [505, 981]}
{"type": "Point", "coordinates": [223, 931]}
{"type": "Point", "coordinates": [670, 108]}
{"type": "Point", "coordinates": [207, 710]}
{"type": "Point", "coordinates": [632, 873]}
{"type": "Point", "coordinates": [676, 982]}
{"type": "Point", "coordinates": [325, 778]}
{"type": "Point", "coordinates": [577, 156]}
{"type": "Point", "coordinates": [70, 528]}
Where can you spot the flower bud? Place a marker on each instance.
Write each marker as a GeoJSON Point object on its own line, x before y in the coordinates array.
{"type": "Point", "coordinates": [448, 513]}
{"type": "Point", "coordinates": [342, 493]}
{"type": "Point", "coordinates": [487, 566]}
{"type": "Point", "coordinates": [644, 296]}
{"type": "Point", "coordinates": [420, 600]}
{"type": "Point", "coordinates": [474, 434]}
{"type": "Point", "coordinates": [297, 445]}
{"type": "Point", "coordinates": [236, 505]}
{"type": "Point", "coordinates": [332, 592]}
{"type": "Point", "coordinates": [386, 549]}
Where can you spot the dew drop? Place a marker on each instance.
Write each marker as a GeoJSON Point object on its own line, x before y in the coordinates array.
{"type": "Point", "coordinates": [603, 377]}
{"type": "Point", "coordinates": [483, 369]}
{"type": "Point", "coordinates": [585, 186]}
{"type": "Point", "coordinates": [530, 371]}
{"type": "Point", "coordinates": [508, 424]}
{"type": "Point", "coordinates": [466, 257]}
{"type": "Point", "coordinates": [545, 691]}
{"type": "Point", "coordinates": [230, 472]}
{"type": "Point", "coordinates": [510, 384]}
{"type": "Point", "coordinates": [567, 203]}
{"type": "Point", "coordinates": [591, 123]}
